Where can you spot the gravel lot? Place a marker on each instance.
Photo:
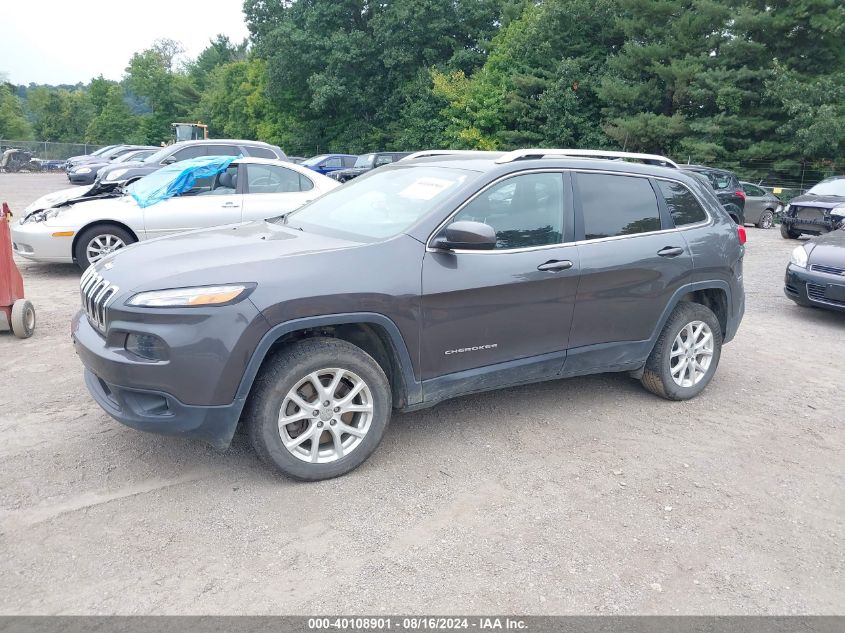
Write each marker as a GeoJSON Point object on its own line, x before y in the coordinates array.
{"type": "Point", "coordinates": [580, 496]}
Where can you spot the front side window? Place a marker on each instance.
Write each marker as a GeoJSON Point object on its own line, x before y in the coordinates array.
{"type": "Point", "coordinates": [224, 150]}
{"type": "Point", "coordinates": [222, 184]}
{"type": "Point", "coordinates": [261, 152]}
{"type": "Point", "coordinates": [365, 160]}
{"type": "Point", "coordinates": [381, 204]}
{"type": "Point", "coordinates": [189, 152]}
{"type": "Point", "coordinates": [617, 205]}
{"type": "Point", "coordinates": [524, 211]}
{"type": "Point", "coordinates": [683, 205]}
{"type": "Point", "coordinates": [273, 179]}
{"type": "Point", "coordinates": [335, 161]}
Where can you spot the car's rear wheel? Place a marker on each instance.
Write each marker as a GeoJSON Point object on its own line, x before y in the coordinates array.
{"type": "Point", "coordinates": [686, 354]}
{"type": "Point", "coordinates": [787, 233]}
{"type": "Point", "coordinates": [318, 409]}
{"type": "Point", "coordinates": [98, 242]}
{"type": "Point", "coordinates": [767, 219]}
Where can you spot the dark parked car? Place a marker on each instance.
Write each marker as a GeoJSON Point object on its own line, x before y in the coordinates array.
{"type": "Point", "coordinates": [815, 275]}
{"type": "Point", "coordinates": [492, 272]}
{"type": "Point", "coordinates": [820, 210]}
{"type": "Point", "coordinates": [727, 188]}
{"type": "Point", "coordinates": [327, 163]}
{"type": "Point", "coordinates": [107, 155]}
{"type": "Point", "coordinates": [761, 206]}
{"type": "Point", "coordinates": [367, 162]}
{"type": "Point", "coordinates": [73, 160]}
{"type": "Point", "coordinates": [123, 174]}
{"type": "Point", "coordinates": [86, 173]}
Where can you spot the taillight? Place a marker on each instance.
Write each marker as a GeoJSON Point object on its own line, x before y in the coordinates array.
{"type": "Point", "coordinates": [740, 233]}
{"type": "Point", "coordinates": [740, 194]}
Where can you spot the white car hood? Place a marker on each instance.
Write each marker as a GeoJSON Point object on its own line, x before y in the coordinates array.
{"type": "Point", "coordinates": [122, 208]}
{"type": "Point", "coordinates": [57, 197]}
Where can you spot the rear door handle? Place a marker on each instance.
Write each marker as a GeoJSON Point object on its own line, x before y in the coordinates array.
{"type": "Point", "coordinates": [671, 251]}
{"type": "Point", "coordinates": [555, 265]}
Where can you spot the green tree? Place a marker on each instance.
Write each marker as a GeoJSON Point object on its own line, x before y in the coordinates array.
{"type": "Point", "coordinates": [13, 124]}
{"type": "Point", "coordinates": [115, 122]}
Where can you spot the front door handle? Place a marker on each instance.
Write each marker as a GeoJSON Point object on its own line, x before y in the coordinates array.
{"type": "Point", "coordinates": [229, 205]}
{"type": "Point", "coordinates": [671, 251]}
{"type": "Point", "coordinates": [555, 265]}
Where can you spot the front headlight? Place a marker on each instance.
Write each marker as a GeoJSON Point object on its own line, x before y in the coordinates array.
{"type": "Point", "coordinates": [114, 175]}
{"type": "Point", "coordinates": [190, 297]}
{"type": "Point", "coordinates": [838, 210]}
{"type": "Point", "coordinates": [82, 170]}
{"type": "Point", "coordinates": [799, 257]}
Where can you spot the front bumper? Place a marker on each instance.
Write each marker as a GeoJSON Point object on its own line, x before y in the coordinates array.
{"type": "Point", "coordinates": [82, 179]}
{"type": "Point", "coordinates": [811, 225]}
{"type": "Point", "coordinates": [810, 288]}
{"type": "Point", "coordinates": [194, 390]}
{"type": "Point", "coordinates": [35, 241]}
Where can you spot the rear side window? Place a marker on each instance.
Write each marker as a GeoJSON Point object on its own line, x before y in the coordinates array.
{"type": "Point", "coordinates": [260, 152]}
{"type": "Point", "coordinates": [275, 179]}
{"type": "Point", "coordinates": [682, 204]}
{"type": "Point", "coordinates": [334, 161]}
{"type": "Point", "coordinates": [617, 205]}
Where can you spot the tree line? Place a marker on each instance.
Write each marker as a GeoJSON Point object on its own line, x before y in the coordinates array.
{"type": "Point", "coordinates": [758, 82]}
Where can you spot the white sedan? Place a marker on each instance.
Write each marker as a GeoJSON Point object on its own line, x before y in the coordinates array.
{"type": "Point", "coordinates": [89, 229]}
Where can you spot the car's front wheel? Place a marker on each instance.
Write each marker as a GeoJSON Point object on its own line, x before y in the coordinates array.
{"type": "Point", "coordinates": [787, 233]}
{"type": "Point", "coordinates": [686, 354]}
{"type": "Point", "coordinates": [99, 241]}
{"type": "Point", "coordinates": [318, 409]}
{"type": "Point", "coordinates": [767, 219]}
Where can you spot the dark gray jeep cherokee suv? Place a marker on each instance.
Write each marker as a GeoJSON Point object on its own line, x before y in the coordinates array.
{"type": "Point", "coordinates": [416, 283]}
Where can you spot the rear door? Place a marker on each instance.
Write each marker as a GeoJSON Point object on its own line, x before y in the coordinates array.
{"type": "Point", "coordinates": [633, 260]}
{"type": "Point", "coordinates": [272, 190]}
{"type": "Point", "coordinates": [481, 308]}
{"type": "Point", "coordinates": [211, 202]}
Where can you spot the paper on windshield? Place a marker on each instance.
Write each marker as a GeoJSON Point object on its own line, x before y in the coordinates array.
{"type": "Point", "coordinates": [426, 188]}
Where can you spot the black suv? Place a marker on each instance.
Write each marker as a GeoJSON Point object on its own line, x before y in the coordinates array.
{"type": "Point", "coordinates": [425, 280]}
{"type": "Point", "coordinates": [367, 162]}
{"type": "Point", "coordinates": [124, 173]}
{"type": "Point", "coordinates": [728, 190]}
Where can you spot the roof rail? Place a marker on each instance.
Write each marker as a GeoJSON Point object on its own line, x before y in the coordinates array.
{"type": "Point", "coordinates": [446, 152]}
{"type": "Point", "coordinates": [521, 154]}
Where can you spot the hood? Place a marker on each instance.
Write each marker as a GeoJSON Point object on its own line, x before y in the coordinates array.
{"type": "Point", "coordinates": [249, 251]}
{"type": "Point", "coordinates": [829, 249]}
{"type": "Point", "coordinates": [57, 197]}
{"type": "Point", "coordinates": [130, 164]}
{"type": "Point", "coordinates": [824, 202]}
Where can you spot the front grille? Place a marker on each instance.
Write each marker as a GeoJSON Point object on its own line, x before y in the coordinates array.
{"type": "Point", "coordinates": [830, 270]}
{"type": "Point", "coordinates": [816, 293]}
{"type": "Point", "coordinates": [96, 294]}
{"type": "Point", "coordinates": [809, 213]}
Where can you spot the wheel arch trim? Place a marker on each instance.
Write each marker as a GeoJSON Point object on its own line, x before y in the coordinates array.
{"type": "Point", "coordinates": [412, 387]}
{"type": "Point", "coordinates": [103, 222]}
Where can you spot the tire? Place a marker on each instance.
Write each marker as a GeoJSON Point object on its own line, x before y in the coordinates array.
{"type": "Point", "coordinates": [111, 238]}
{"type": "Point", "coordinates": [767, 220]}
{"type": "Point", "coordinates": [289, 373]}
{"type": "Point", "coordinates": [788, 234]}
{"type": "Point", "coordinates": [23, 318]}
{"type": "Point", "coordinates": [658, 375]}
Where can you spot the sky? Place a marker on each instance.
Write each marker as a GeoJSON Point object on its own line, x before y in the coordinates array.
{"type": "Point", "coordinates": [61, 42]}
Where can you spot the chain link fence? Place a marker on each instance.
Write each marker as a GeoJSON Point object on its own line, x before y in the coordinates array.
{"type": "Point", "coordinates": [48, 151]}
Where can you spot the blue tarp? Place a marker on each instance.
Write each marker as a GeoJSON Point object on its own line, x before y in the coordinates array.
{"type": "Point", "coordinates": [174, 179]}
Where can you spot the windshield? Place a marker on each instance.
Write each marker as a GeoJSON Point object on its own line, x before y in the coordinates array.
{"type": "Point", "coordinates": [365, 160]}
{"type": "Point", "coordinates": [829, 187]}
{"type": "Point", "coordinates": [315, 160]}
{"type": "Point", "coordinates": [103, 150]}
{"type": "Point", "coordinates": [380, 205]}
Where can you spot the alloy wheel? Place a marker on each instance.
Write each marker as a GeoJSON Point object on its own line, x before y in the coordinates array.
{"type": "Point", "coordinates": [692, 353]}
{"type": "Point", "coordinates": [102, 245]}
{"type": "Point", "coordinates": [326, 415]}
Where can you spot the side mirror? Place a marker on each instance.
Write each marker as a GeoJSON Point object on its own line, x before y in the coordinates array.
{"type": "Point", "coordinates": [169, 160]}
{"type": "Point", "coordinates": [467, 235]}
